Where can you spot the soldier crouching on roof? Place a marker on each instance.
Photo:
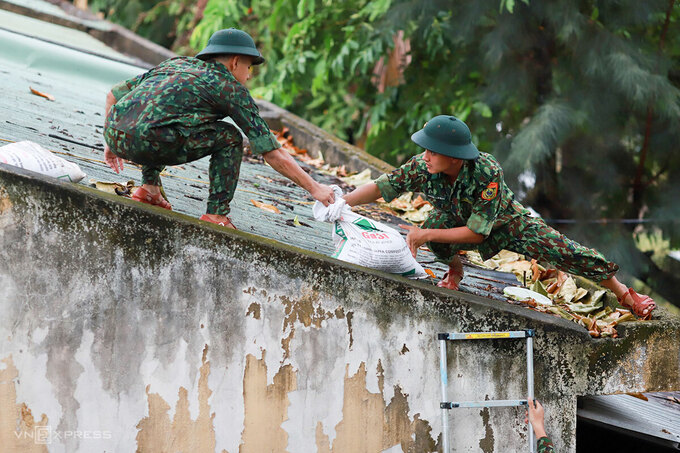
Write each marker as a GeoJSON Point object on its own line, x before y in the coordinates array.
{"type": "Point", "coordinates": [171, 115]}
{"type": "Point", "coordinates": [475, 209]}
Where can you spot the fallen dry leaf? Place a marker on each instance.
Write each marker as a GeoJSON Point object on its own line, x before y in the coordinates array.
{"type": "Point", "coordinates": [116, 188]}
{"type": "Point", "coordinates": [419, 202]}
{"type": "Point", "coordinates": [39, 93]}
{"type": "Point", "coordinates": [638, 395]}
{"type": "Point", "coordinates": [266, 207]}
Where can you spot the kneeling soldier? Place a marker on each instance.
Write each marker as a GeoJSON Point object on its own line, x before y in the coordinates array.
{"type": "Point", "coordinates": [171, 115]}
{"type": "Point", "coordinates": [475, 209]}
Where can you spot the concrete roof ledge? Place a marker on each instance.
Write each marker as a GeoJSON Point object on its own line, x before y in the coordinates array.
{"type": "Point", "coordinates": [308, 136]}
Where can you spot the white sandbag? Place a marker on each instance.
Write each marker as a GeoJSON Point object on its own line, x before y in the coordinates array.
{"type": "Point", "coordinates": [31, 156]}
{"type": "Point", "coordinates": [368, 243]}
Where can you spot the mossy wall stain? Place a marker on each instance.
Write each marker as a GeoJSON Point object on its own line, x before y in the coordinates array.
{"type": "Point", "coordinates": [662, 367]}
{"type": "Point", "coordinates": [17, 424]}
{"type": "Point", "coordinates": [265, 407]}
{"type": "Point", "coordinates": [369, 425]}
{"type": "Point", "coordinates": [157, 434]}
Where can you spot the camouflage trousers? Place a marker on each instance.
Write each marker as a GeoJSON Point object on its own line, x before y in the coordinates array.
{"type": "Point", "coordinates": [221, 141]}
{"type": "Point", "coordinates": [532, 238]}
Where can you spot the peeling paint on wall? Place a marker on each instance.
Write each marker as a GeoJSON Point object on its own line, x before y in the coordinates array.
{"type": "Point", "coordinates": [18, 429]}
{"type": "Point", "coordinates": [158, 434]}
{"type": "Point", "coordinates": [486, 443]}
{"type": "Point", "coordinates": [368, 425]}
{"type": "Point", "coordinates": [307, 311]}
{"type": "Point", "coordinates": [5, 203]}
{"type": "Point", "coordinates": [266, 407]}
{"type": "Point", "coordinates": [254, 309]}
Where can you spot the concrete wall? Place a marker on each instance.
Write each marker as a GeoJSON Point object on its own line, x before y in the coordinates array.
{"type": "Point", "coordinates": [125, 327]}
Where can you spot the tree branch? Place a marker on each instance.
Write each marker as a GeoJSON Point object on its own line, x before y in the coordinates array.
{"type": "Point", "coordinates": [638, 186]}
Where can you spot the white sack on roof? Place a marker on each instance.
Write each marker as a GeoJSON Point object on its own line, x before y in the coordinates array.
{"type": "Point", "coordinates": [33, 157]}
{"type": "Point", "coordinates": [365, 242]}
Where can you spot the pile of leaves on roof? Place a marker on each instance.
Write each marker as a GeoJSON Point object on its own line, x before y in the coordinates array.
{"type": "Point", "coordinates": [586, 307]}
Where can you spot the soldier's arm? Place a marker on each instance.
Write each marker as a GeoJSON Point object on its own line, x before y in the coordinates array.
{"type": "Point", "coordinates": [407, 178]}
{"type": "Point", "coordinates": [235, 101]}
{"type": "Point", "coordinates": [367, 193]}
{"type": "Point", "coordinates": [459, 235]}
{"type": "Point", "coordinates": [118, 91]}
{"type": "Point", "coordinates": [113, 161]}
{"type": "Point", "coordinates": [282, 162]}
{"type": "Point", "coordinates": [486, 206]}
{"type": "Point", "coordinates": [110, 101]}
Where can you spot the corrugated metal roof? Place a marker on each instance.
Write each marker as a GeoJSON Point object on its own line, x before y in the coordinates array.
{"type": "Point", "coordinates": [57, 33]}
{"type": "Point", "coordinates": [72, 126]}
{"type": "Point", "coordinates": [657, 419]}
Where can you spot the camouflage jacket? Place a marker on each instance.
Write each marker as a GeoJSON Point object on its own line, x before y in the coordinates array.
{"type": "Point", "coordinates": [478, 199]}
{"type": "Point", "coordinates": [180, 93]}
{"type": "Point", "coordinates": [545, 445]}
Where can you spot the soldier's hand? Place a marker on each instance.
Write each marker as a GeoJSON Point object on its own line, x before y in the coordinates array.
{"type": "Point", "coordinates": [324, 194]}
{"type": "Point", "coordinates": [415, 238]}
{"type": "Point", "coordinates": [113, 161]}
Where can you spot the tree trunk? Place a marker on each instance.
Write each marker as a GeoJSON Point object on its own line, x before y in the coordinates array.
{"type": "Point", "coordinates": [182, 40]}
{"type": "Point", "coordinates": [638, 186]}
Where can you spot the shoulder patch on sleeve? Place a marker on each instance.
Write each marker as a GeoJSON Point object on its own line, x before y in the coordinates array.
{"type": "Point", "coordinates": [490, 192]}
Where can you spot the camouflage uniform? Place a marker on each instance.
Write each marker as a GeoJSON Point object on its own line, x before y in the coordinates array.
{"type": "Point", "coordinates": [171, 115]}
{"type": "Point", "coordinates": [545, 445]}
{"type": "Point", "coordinates": [480, 200]}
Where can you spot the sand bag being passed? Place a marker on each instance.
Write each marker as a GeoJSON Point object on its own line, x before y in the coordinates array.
{"type": "Point", "coordinates": [365, 242]}
{"type": "Point", "coordinates": [31, 156]}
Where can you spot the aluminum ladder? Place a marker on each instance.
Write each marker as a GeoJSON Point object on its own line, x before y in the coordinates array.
{"type": "Point", "coordinates": [446, 405]}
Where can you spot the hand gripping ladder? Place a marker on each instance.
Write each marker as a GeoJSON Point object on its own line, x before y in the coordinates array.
{"type": "Point", "coordinates": [447, 405]}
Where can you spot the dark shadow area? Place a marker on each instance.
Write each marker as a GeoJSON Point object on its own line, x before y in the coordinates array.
{"type": "Point", "coordinates": [595, 438]}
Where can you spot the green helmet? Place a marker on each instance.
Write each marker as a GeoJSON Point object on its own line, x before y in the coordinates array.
{"type": "Point", "coordinates": [231, 41]}
{"type": "Point", "coordinates": [447, 135]}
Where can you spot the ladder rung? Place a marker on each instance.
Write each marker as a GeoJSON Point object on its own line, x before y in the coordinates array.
{"type": "Point", "coordinates": [491, 403]}
{"type": "Point", "coordinates": [485, 335]}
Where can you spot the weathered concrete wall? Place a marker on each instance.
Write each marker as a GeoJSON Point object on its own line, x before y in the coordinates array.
{"type": "Point", "coordinates": [127, 328]}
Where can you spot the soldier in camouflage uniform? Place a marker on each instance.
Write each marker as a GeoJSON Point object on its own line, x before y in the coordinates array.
{"type": "Point", "coordinates": [171, 115]}
{"type": "Point", "coordinates": [475, 209]}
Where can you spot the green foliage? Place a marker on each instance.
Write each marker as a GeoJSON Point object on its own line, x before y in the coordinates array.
{"type": "Point", "coordinates": [158, 21]}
